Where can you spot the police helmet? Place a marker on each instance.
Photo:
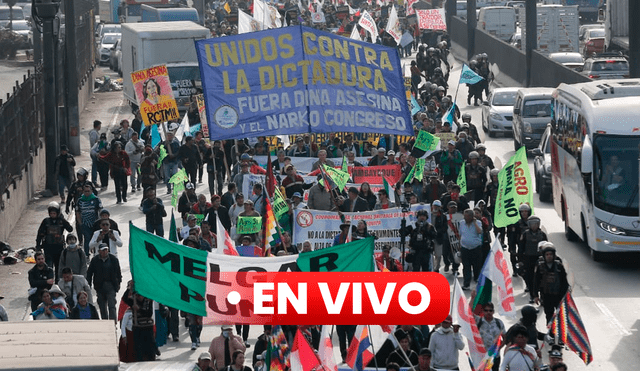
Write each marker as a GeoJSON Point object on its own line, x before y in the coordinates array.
{"type": "Point", "coordinates": [53, 206]}
{"type": "Point", "coordinates": [524, 207]}
{"type": "Point", "coordinates": [441, 88]}
{"type": "Point", "coordinates": [480, 146]}
{"type": "Point", "coordinates": [533, 219]}
{"type": "Point", "coordinates": [422, 47]}
{"type": "Point", "coordinates": [494, 172]}
{"type": "Point", "coordinates": [431, 50]}
{"type": "Point", "coordinates": [82, 172]}
{"type": "Point", "coordinates": [422, 212]}
{"type": "Point", "coordinates": [548, 247]}
{"type": "Point", "coordinates": [437, 70]}
{"type": "Point", "coordinates": [484, 56]}
{"type": "Point", "coordinates": [473, 154]}
{"type": "Point", "coordinates": [466, 116]}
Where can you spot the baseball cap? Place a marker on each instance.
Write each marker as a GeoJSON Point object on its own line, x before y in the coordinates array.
{"type": "Point", "coordinates": [189, 186]}
{"type": "Point", "coordinates": [245, 156]}
{"type": "Point", "coordinates": [382, 149]}
{"type": "Point", "coordinates": [207, 356]}
{"type": "Point", "coordinates": [103, 246]}
{"type": "Point", "coordinates": [227, 327]}
{"type": "Point", "coordinates": [452, 143]}
{"type": "Point", "coordinates": [191, 217]}
{"type": "Point", "coordinates": [391, 153]}
{"type": "Point", "coordinates": [297, 194]}
{"type": "Point", "coordinates": [437, 203]}
{"type": "Point", "coordinates": [452, 204]}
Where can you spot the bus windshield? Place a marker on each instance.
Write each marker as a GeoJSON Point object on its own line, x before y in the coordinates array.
{"type": "Point", "coordinates": [616, 174]}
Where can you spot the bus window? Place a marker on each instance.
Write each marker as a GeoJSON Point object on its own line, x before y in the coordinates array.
{"type": "Point", "coordinates": [616, 174]}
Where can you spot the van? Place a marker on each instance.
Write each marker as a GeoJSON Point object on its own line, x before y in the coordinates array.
{"type": "Point", "coordinates": [499, 21]}
{"type": "Point", "coordinates": [7, 14]}
{"type": "Point", "coordinates": [531, 114]}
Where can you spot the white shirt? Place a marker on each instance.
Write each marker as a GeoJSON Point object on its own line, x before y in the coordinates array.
{"type": "Point", "coordinates": [517, 361]}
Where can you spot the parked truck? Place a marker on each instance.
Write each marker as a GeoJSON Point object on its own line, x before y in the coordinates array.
{"type": "Point", "coordinates": [616, 26]}
{"type": "Point", "coordinates": [557, 29]}
{"type": "Point", "coordinates": [588, 9]}
{"type": "Point", "coordinates": [149, 44]}
{"type": "Point", "coordinates": [156, 14]}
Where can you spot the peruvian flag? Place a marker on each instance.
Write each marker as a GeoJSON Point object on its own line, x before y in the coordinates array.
{"type": "Point", "coordinates": [225, 244]}
{"type": "Point", "coordinates": [462, 315]}
{"type": "Point", "coordinates": [325, 351]}
{"type": "Point", "coordinates": [361, 351]}
{"type": "Point", "coordinates": [303, 357]}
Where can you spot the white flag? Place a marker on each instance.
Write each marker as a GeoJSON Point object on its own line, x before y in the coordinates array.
{"type": "Point", "coordinates": [355, 34]}
{"type": "Point", "coordinates": [498, 273]}
{"type": "Point", "coordinates": [325, 351]}
{"type": "Point", "coordinates": [463, 316]}
{"type": "Point", "coordinates": [351, 10]}
{"type": "Point", "coordinates": [393, 25]}
{"type": "Point", "coordinates": [266, 14]}
{"type": "Point", "coordinates": [183, 128]}
{"type": "Point", "coordinates": [368, 23]}
{"type": "Point", "coordinates": [247, 23]}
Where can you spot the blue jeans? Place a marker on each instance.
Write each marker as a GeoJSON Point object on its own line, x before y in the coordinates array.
{"type": "Point", "coordinates": [169, 168]}
{"type": "Point", "coordinates": [87, 234]}
{"type": "Point", "coordinates": [63, 182]}
{"type": "Point", "coordinates": [158, 229]}
{"type": "Point", "coordinates": [94, 170]}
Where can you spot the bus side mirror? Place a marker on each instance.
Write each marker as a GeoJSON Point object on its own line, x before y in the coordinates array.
{"type": "Point", "coordinates": [586, 163]}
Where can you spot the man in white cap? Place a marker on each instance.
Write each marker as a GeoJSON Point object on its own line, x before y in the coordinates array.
{"type": "Point", "coordinates": [379, 159]}
{"type": "Point", "coordinates": [204, 362]}
{"type": "Point", "coordinates": [223, 346]}
{"type": "Point", "coordinates": [297, 201]}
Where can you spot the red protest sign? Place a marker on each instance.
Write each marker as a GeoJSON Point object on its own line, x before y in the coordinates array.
{"type": "Point", "coordinates": [431, 19]}
{"type": "Point", "coordinates": [374, 174]}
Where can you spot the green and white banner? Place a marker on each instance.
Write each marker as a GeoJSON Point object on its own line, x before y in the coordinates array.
{"type": "Point", "coordinates": [514, 189]}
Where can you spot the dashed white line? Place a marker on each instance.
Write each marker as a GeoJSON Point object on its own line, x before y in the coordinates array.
{"type": "Point", "coordinates": [612, 319]}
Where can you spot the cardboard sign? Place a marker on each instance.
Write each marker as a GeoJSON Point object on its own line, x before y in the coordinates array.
{"type": "Point", "coordinates": [249, 224]}
{"type": "Point", "coordinates": [431, 19]}
{"type": "Point", "coordinates": [155, 95]}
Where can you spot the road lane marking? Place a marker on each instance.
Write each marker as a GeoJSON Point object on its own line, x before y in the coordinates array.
{"type": "Point", "coordinates": [612, 319]}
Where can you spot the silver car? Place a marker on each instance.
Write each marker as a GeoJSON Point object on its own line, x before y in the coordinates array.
{"type": "Point", "coordinates": [497, 111]}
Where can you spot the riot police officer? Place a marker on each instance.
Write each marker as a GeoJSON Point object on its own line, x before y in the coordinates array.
{"type": "Point", "coordinates": [514, 231]}
{"type": "Point", "coordinates": [422, 243]}
{"type": "Point", "coordinates": [476, 176]}
{"type": "Point", "coordinates": [528, 250]}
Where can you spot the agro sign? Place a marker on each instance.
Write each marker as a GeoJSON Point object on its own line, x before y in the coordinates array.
{"type": "Point", "coordinates": [297, 80]}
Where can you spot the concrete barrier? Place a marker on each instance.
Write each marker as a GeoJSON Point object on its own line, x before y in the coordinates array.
{"type": "Point", "coordinates": [507, 62]}
{"type": "Point", "coordinates": [13, 204]}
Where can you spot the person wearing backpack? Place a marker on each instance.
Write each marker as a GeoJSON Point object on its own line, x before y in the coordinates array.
{"type": "Point", "coordinates": [73, 257]}
{"type": "Point", "coordinates": [490, 329]}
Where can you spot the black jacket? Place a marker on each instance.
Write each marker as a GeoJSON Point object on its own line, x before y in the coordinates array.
{"type": "Point", "coordinates": [223, 213]}
{"type": "Point", "coordinates": [38, 279]}
{"type": "Point", "coordinates": [75, 312]}
{"type": "Point", "coordinates": [101, 271]}
{"type": "Point", "coordinates": [361, 205]}
{"type": "Point", "coordinates": [51, 231]}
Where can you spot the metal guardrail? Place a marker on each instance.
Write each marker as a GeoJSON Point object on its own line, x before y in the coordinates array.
{"type": "Point", "coordinates": [21, 128]}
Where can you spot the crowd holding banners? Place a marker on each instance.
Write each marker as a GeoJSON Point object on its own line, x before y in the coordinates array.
{"type": "Point", "coordinates": [412, 186]}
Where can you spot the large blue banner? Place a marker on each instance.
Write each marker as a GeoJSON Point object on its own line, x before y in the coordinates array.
{"type": "Point", "coordinates": [295, 80]}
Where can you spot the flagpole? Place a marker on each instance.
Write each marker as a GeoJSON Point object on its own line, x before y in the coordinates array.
{"type": "Point", "coordinates": [375, 361]}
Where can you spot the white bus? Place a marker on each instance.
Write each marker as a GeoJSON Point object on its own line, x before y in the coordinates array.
{"type": "Point", "coordinates": [594, 163]}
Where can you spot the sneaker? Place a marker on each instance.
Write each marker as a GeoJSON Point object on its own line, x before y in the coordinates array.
{"type": "Point", "coordinates": [124, 199]}
{"type": "Point", "coordinates": [193, 346]}
{"type": "Point", "coordinates": [133, 190]}
{"type": "Point", "coordinates": [198, 342]}
{"type": "Point", "coordinates": [446, 268]}
{"type": "Point", "coordinates": [246, 344]}
{"type": "Point", "coordinates": [465, 288]}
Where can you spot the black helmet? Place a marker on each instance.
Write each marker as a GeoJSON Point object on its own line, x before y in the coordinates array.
{"type": "Point", "coordinates": [466, 116]}
{"type": "Point", "coordinates": [422, 212]}
{"type": "Point", "coordinates": [438, 70]}
{"type": "Point", "coordinates": [431, 50]}
{"type": "Point", "coordinates": [422, 47]}
{"type": "Point", "coordinates": [82, 172]}
{"type": "Point", "coordinates": [440, 88]}
{"type": "Point", "coordinates": [524, 207]}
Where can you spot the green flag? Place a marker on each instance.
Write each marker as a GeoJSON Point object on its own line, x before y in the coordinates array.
{"type": "Point", "coordinates": [514, 189]}
{"type": "Point", "coordinates": [350, 257]}
{"type": "Point", "coordinates": [175, 194]}
{"type": "Point", "coordinates": [180, 176]}
{"type": "Point", "coordinates": [345, 165]}
{"type": "Point", "coordinates": [163, 154]}
{"type": "Point", "coordinates": [173, 231]}
{"type": "Point", "coordinates": [279, 204]}
{"type": "Point", "coordinates": [157, 270]}
{"type": "Point", "coordinates": [339, 177]}
{"type": "Point", "coordinates": [249, 224]}
{"type": "Point", "coordinates": [419, 174]}
{"type": "Point", "coordinates": [462, 180]}
{"type": "Point", "coordinates": [426, 141]}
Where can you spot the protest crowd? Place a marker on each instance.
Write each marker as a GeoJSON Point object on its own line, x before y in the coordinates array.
{"type": "Point", "coordinates": [261, 196]}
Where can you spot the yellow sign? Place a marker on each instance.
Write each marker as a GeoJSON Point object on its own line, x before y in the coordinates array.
{"type": "Point", "coordinates": [155, 95]}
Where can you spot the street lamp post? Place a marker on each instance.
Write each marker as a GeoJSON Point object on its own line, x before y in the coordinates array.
{"type": "Point", "coordinates": [46, 11]}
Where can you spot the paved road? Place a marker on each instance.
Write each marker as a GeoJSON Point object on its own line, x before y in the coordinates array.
{"type": "Point", "coordinates": [606, 293]}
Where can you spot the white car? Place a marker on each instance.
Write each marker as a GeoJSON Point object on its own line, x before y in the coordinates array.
{"type": "Point", "coordinates": [570, 60]}
{"type": "Point", "coordinates": [104, 48]}
{"type": "Point", "coordinates": [497, 111]}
